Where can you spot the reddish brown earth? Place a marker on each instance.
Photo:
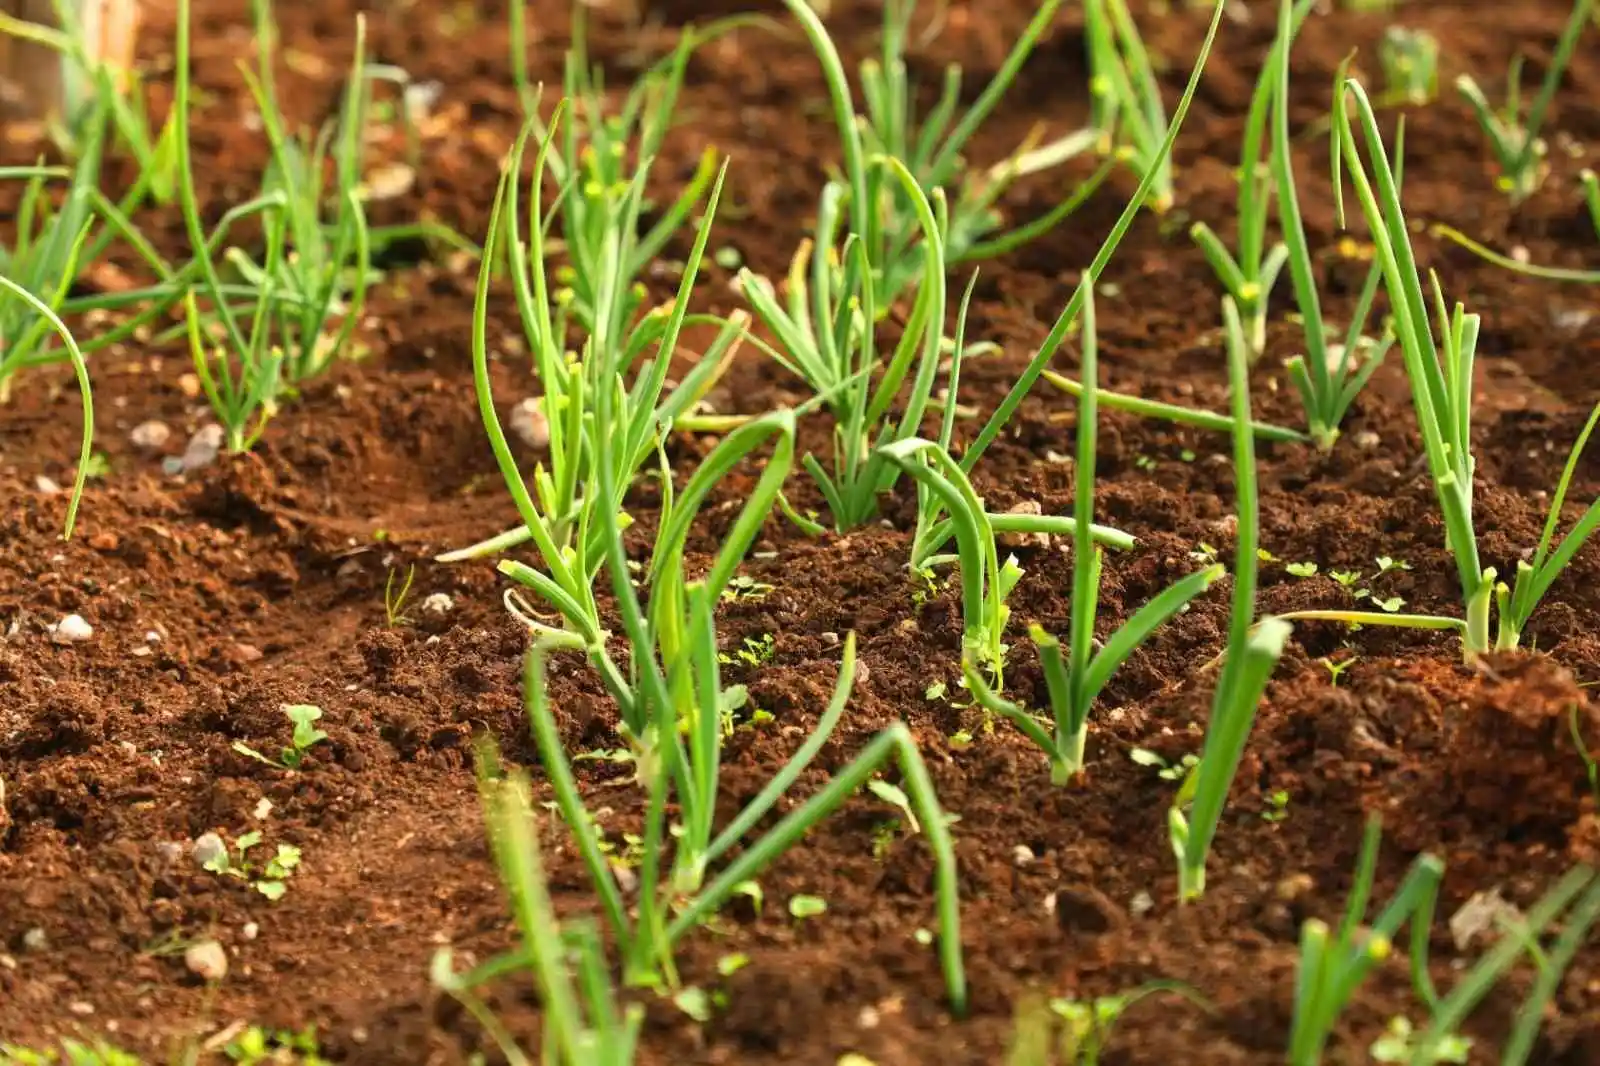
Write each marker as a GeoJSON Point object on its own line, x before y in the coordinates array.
{"type": "Point", "coordinates": [264, 578]}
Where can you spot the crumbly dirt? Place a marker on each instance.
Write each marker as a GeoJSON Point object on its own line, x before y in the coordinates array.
{"type": "Point", "coordinates": [259, 581]}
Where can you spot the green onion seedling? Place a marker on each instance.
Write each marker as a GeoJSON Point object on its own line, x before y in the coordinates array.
{"type": "Point", "coordinates": [1334, 963]}
{"type": "Point", "coordinates": [260, 335]}
{"type": "Point", "coordinates": [565, 511]}
{"type": "Point", "coordinates": [671, 903]}
{"type": "Point", "coordinates": [1126, 97]}
{"type": "Point", "coordinates": [986, 582]}
{"type": "Point", "coordinates": [1328, 376]}
{"type": "Point", "coordinates": [1170, 412]}
{"type": "Point", "coordinates": [1252, 652]}
{"type": "Point", "coordinates": [672, 704]}
{"type": "Point", "coordinates": [95, 85]}
{"type": "Point", "coordinates": [1591, 196]}
{"type": "Point", "coordinates": [318, 245]}
{"type": "Point", "coordinates": [826, 334]}
{"type": "Point", "coordinates": [1250, 277]}
{"type": "Point", "coordinates": [1410, 62]}
{"type": "Point", "coordinates": [602, 162]}
{"type": "Point", "coordinates": [1441, 386]}
{"type": "Point", "coordinates": [1077, 678]}
{"type": "Point", "coordinates": [1506, 262]}
{"type": "Point", "coordinates": [583, 1023]}
{"type": "Point", "coordinates": [932, 532]}
{"type": "Point", "coordinates": [10, 290]}
{"type": "Point", "coordinates": [882, 213]}
{"type": "Point", "coordinates": [1513, 136]}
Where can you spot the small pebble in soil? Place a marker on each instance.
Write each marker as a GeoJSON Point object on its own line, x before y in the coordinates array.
{"type": "Point", "coordinates": [71, 630]}
{"type": "Point", "coordinates": [151, 436]}
{"type": "Point", "coordinates": [529, 423]}
{"type": "Point", "coordinates": [1366, 440]}
{"type": "Point", "coordinates": [206, 960]}
{"type": "Point", "coordinates": [1022, 855]}
{"type": "Point", "coordinates": [438, 603]}
{"type": "Point", "coordinates": [35, 939]}
{"type": "Point", "coordinates": [206, 848]}
{"type": "Point", "coordinates": [1084, 910]}
{"type": "Point", "coordinates": [1025, 540]}
{"type": "Point", "coordinates": [250, 930]}
{"type": "Point", "coordinates": [203, 448]}
{"type": "Point", "coordinates": [82, 1008]}
{"type": "Point", "coordinates": [1293, 887]}
{"type": "Point", "coordinates": [830, 638]}
{"type": "Point", "coordinates": [46, 485]}
{"type": "Point", "coordinates": [1141, 904]}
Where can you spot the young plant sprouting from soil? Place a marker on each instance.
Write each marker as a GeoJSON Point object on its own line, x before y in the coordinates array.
{"type": "Point", "coordinates": [95, 85]}
{"type": "Point", "coordinates": [1127, 108]}
{"type": "Point", "coordinates": [1410, 62]}
{"type": "Point", "coordinates": [13, 294]}
{"type": "Point", "coordinates": [673, 708]}
{"type": "Point", "coordinates": [600, 203]}
{"type": "Point", "coordinates": [583, 1023]}
{"type": "Point", "coordinates": [267, 331]}
{"type": "Point", "coordinates": [318, 258]}
{"type": "Point", "coordinates": [1252, 652]}
{"type": "Point", "coordinates": [827, 333]}
{"type": "Point", "coordinates": [1591, 196]}
{"type": "Point", "coordinates": [566, 512]}
{"type": "Point", "coordinates": [1072, 1032]}
{"type": "Point", "coordinates": [933, 529]}
{"type": "Point", "coordinates": [1514, 136]}
{"type": "Point", "coordinates": [1329, 375]}
{"type": "Point", "coordinates": [883, 215]}
{"type": "Point", "coordinates": [1441, 388]}
{"type": "Point", "coordinates": [1250, 277]}
{"type": "Point", "coordinates": [1333, 963]}
{"type": "Point", "coordinates": [986, 582]}
{"type": "Point", "coordinates": [1076, 679]}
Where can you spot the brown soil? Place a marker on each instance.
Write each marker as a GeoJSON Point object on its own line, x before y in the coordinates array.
{"type": "Point", "coordinates": [263, 577]}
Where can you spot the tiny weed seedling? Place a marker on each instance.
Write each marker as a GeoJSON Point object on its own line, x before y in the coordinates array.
{"type": "Point", "coordinates": [1076, 679]}
{"type": "Point", "coordinates": [1514, 136]}
{"type": "Point", "coordinates": [1253, 651]}
{"type": "Point", "coordinates": [802, 907]}
{"type": "Point", "coordinates": [1397, 1045]}
{"type": "Point", "coordinates": [270, 878]}
{"type": "Point", "coordinates": [1073, 1032]}
{"type": "Point", "coordinates": [1167, 771]}
{"type": "Point", "coordinates": [306, 735]}
{"type": "Point", "coordinates": [394, 599]}
{"type": "Point", "coordinates": [69, 1053]}
{"type": "Point", "coordinates": [277, 1047]}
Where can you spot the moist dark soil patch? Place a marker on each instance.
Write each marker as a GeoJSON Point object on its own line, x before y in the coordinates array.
{"type": "Point", "coordinates": [259, 581]}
